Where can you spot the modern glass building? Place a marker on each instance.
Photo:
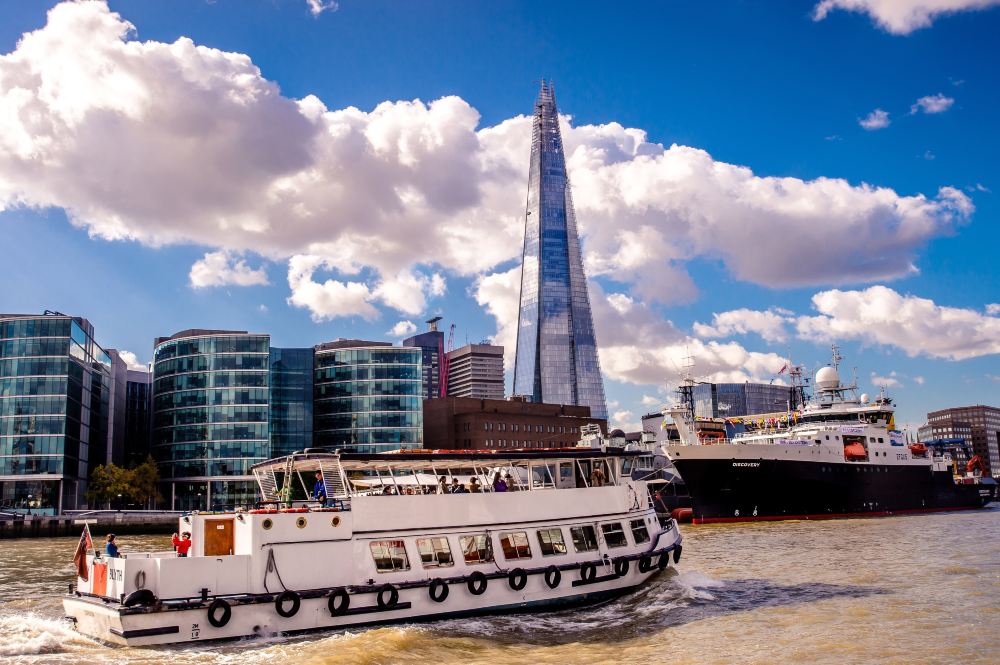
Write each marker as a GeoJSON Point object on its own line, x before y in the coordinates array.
{"type": "Point", "coordinates": [432, 356]}
{"type": "Point", "coordinates": [367, 396]}
{"type": "Point", "coordinates": [55, 385]}
{"type": "Point", "coordinates": [291, 396]}
{"type": "Point", "coordinates": [138, 415]}
{"type": "Point", "coordinates": [556, 359]}
{"type": "Point", "coordinates": [728, 400]}
{"type": "Point", "coordinates": [210, 415]}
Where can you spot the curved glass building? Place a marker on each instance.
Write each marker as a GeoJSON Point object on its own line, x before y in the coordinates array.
{"type": "Point", "coordinates": [210, 415]}
{"type": "Point", "coordinates": [367, 396]}
{"type": "Point", "coordinates": [55, 386]}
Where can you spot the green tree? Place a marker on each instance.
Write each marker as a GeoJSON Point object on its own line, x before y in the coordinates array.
{"type": "Point", "coordinates": [109, 482]}
{"type": "Point", "coordinates": [145, 481]}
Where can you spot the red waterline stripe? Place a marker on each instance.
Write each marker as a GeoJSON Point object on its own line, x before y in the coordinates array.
{"type": "Point", "coordinates": [826, 516]}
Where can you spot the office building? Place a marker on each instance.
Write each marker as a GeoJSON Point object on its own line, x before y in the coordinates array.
{"type": "Point", "coordinates": [978, 426]}
{"type": "Point", "coordinates": [291, 400]}
{"type": "Point", "coordinates": [432, 358]}
{"type": "Point", "coordinates": [728, 400]}
{"type": "Point", "coordinates": [556, 357]}
{"type": "Point", "coordinates": [138, 416]}
{"type": "Point", "coordinates": [55, 393]}
{"type": "Point", "coordinates": [476, 370]}
{"type": "Point", "coordinates": [367, 396]}
{"type": "Point", "coordinates": [483, 424]}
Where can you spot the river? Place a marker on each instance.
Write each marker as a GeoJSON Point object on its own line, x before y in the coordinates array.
{"type": "Point", "coordinates": [915, 589]}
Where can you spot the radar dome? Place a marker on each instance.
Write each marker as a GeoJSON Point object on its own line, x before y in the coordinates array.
{"type": "Point", "coordinates": [827, 378]}
{"type": "Point", "coordinates": [864, 398]}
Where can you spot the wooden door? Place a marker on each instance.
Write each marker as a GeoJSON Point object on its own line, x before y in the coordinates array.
{"type": "Point", "coordinates": [218, 537]}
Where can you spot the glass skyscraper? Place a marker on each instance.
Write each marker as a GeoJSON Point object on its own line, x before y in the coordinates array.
{"type": "Point", "coordinates": [556, 358]}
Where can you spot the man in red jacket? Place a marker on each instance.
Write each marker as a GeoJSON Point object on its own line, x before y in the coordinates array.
{"type": "Point", "coordinates": [182, 544]}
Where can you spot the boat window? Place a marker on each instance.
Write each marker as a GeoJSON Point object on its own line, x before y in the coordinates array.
{"type": "Point", "coordinates": [542, 475]}
{"type": "Point", "coordinates": [639, 532]}
{"type": "Point", "coordinates": [476, 548]}
{"type": "Point", "coordinates": [435, 552]}
{"type": "Point", "coordinates": [614, 536]}
{"type": "Point", "coordinates": [551, 542]}
{"type": "Point", "coordinates": [515, 545]}
{"type": "Point", "coordinates": [389, 555]}
{"type": "Point", "coordinates": [584, 538]}
{"type": "Point", "coordinates": [567, 476]}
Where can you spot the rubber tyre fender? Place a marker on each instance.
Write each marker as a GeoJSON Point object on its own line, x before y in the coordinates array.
{"type": "Point", "coordinates": [438, 590]}
{"type": "Point", "coordinates": [677, 554]}
{"type": "Point", "coordinates": [383, 602]}
{"type": "Point", "coordinates": [621, 567]}
{"type": "Point", "coordinates": [553, 576]}
{"type": "Point", "coordinates": [663, 561]}
{"type": "Point", "coordinates": [517, 579]}
{"type": "Point", "coordinates": [227, 613]}
{"type": "Point", "coordinates": [339, 602]}
{"type": "Point", "coordinates": [477, 583]}
{"type": "Point", "coordinates": [139, 597]}
{"type": "Point", "coordinates": [284, 597]}
{"type": "Point", "coordinates": [588, 571]}
{"type": "Point", "coordinates": [645, 563]}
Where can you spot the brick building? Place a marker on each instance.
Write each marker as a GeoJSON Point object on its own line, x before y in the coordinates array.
{"type": "Point", "coordinates": [979, 425]}
{"type": "Point", "coordinates": [476, 424]}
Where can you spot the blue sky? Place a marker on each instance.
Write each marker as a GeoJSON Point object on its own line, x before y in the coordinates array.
{"type": "Point", "coordinates": [739, 87]}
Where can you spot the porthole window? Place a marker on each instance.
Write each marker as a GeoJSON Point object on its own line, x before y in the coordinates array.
{"type": "Point", "coordinates": [335, 521]}
{"type": "Point", "coordinates": [267, 524]}
{"type": "Point", "coordinates": [301, 522]}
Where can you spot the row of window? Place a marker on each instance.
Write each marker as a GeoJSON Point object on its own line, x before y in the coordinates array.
{"type": "Point", "coordinates": [33, 425]}
{"type": "Point", "coordinates": [232, 361]}
{"type": "Point", "coordinates": [21, 465]}
{"type": "Point", "coordinates": [34, 367]}
{"type": "Point", "coordinates": [477, 548]}
{"type": "Point", "coordinates": [31, 445]}
{"type": "Point", "coordinates": [35, 385]}
{"type": "Point", "coordinates": [210, 345]}
{"type": "Point", "coordinates": [367, 373]}
{"type": "Point", "coordinates": [376, 356]}
{"type": "Point", "coordinates": [363, 404]}
{"type": "Point", "coordinates": [45, 346]}
{"type": "Point", "coordinates": [362, 420]}
{"type": "Point", "coordinates": [361, 388]}
{"type": "Point", "coordinates": [198, 416]}
{"type": "Point", "coordinates": [200, 468]}
{"type": "Point", "coordinates": [35, 328]}
{"type": "Point", "coordinates": [252, 379]}
{"type": "Point", "coordinates": [354, 437]}
{"type": "Point", "coordinates": [517, 427]}
{"type": "Point", "coordinates": [189, 433]}
{"type": "Point", "coordinates": [31, 406]}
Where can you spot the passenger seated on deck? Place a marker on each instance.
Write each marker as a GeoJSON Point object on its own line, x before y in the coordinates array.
{"type": "Point", "coordinates": [442, 487]}
{"type": "Point", "coordinates": [509, 481]}
{"type": "Point", "coordinates": [457, 487]}
{"type": "Point", "coordinates": [111, 549]}
{"type": "Point", "coordinates": [498, 483]}
{"type": "Point", "coordinates": [182, 544]}
{"type": "Point", "coordinates": [319, 490]}
{"type": "Point", "coordinates": [387, 489]}
{"type": "Point", "coordinates": [474, 487]}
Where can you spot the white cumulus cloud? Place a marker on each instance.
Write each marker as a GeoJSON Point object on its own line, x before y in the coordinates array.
{"type": "Point", "coordinates": [402, 329]}
{"type": "Point", "coordinates": [932, 104]}
{"type": "Point", "coordinates": [329, 299]}
{"type": "Point", "coordinates": [889, 381]}
{"type": "Point", "coordinates": [877, 119]}
{"type": "Point", "coordinates": [771, 325]}
{"type": "Point", "coordinates": [222, 268]}
{"type": "Point", "coordinates": [317, 7]}
{"type": "Point", "coordinates": [901, 17]}
{"type": "Point", "coordinates": [133, 361]}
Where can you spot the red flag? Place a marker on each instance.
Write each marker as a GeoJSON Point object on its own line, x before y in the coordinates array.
{"type": "Point", "coordinates": [80, 557]}
{"type": "Point", "coordinates": [783, 368]}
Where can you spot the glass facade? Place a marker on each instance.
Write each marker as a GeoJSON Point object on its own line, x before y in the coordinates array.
{"type": "Point", "coordinates": [556, 360]}
{"type": "Point", "coordinates": [55, 384]}
{"type": "Point", "coordinates": [368, 398]}
{"type": "Point", "coordinates": [728, 400]}
{"type": "Point", "coordinates": [210, 416]}
{"type": "Point", "coordinates": [291, 400]}
{"type": "Point", "coordinates": [138, 416]}
{"type": "Point", "coordinates": [431, 345]}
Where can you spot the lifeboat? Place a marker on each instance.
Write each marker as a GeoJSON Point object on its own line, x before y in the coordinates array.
{"type": "Point", "coordinates": [854, 452]}
{"type": "Point", "coordinates": [682, 515]}
{"type": "Point", "coordinates": [918, 449]}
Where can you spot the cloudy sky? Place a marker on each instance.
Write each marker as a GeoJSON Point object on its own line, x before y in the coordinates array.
{"type": "Point", "coordinates": [753, 181]}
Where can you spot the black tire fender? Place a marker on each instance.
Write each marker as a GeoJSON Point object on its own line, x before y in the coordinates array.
{"type": "Point", "coordinates": [339, 602]}
{"type": "Point", "coordinates": [588, 571]}
{"type": "Point", "coordinates": [285, 597]}
{"type": "Point", "coordinates": [438, 590]}
{"type": "Point", "coordinates": [621, 567]}
{"type": "Point", "coordinates": [663, 561]}
{"type": "Point", "coordinates": [553, 576]}
{"type": "Point", "coordinates": [140, 597]}
{"type": "Point", "coordinates": [517, 579]}
{"type": "Point", "coordinates": [477, 583]}
{"type": "Point", "coordinates": [227, 613]}
{"type": "Point", "coordinates": [390, 602]}
{"type": "Point", "coordinates": [645, 563]}
{"type": "Point", "coordinates": [677, 553]}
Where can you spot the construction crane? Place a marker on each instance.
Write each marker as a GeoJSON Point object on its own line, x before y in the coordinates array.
{"type": "Point", "coordinates": [445, 361]}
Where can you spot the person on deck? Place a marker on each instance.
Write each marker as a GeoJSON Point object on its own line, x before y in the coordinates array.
{"type": "Point", "coordinates": [499, 485]}
{"type": "Point", "coordinates": [509, 480]}
{"type": "Point", "coordinates": [111, 549]}
{"type": "Point", "coordinates": [597, 477]}
{"type": "Point", "coordinates": [474, 487]}
{"type": "Point", "coordinates": [457, 487]}
{"type": "Point", "coordinates": [319, 490]}
{"type": "Point", "coordinates": [442, 487]}
{"type": "Point", "coordinates": [182, 544]}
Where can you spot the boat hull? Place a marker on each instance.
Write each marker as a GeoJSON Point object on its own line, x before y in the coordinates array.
{"type": "Point", "coordinates": [728, 490]}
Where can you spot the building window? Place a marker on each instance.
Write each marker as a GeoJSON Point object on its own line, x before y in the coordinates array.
{"type": "Point", "coordinates": [614, 536]}
{"type": "Point", "coordinates": [389, 555]}
{"type": "Point", "coordinates": [584, 538]}
{"type": "Point", "coordinates": [476, 548]}
{"type": "Point", "coordinates": [551, 542]}
{"type": "Point", "coordinates": [639, 532]}
{"type": "Point", "coordinates": [515, 545]}
{"type": "Point", "coordinates": [435, 552]}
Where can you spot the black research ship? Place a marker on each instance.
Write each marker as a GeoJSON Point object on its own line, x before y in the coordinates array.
{"type": "Point", "coordinates": [838, 456]}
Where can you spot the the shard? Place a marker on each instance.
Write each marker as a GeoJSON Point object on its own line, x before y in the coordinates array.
{"type": "Point", "coordinates": [556, 348]}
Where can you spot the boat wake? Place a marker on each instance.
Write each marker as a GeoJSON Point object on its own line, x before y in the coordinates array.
{"type": "Point", "coordinates": [30, 634]}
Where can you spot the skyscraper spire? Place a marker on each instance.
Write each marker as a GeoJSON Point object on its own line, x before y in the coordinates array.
{"type": "Point", "coordinates": [556, 349]}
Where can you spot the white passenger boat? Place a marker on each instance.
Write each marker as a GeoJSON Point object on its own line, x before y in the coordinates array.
{"type": "Point", "coordinates": [388, 548]}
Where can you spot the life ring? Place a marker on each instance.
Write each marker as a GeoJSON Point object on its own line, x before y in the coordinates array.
{"type": "Point", "coordinates": [476, 583]}
{"type": "Point", "coordinates": [438, 590]}
{"type": "Point", "coordinates": [283, 597]}
{"type": "Point", "coordinates": [588, 571]}
{"type": "Point", "coordinates": [621, 567]}
{"type": "Point", "coordinates": [517, 578]}
{"type": "Point", "coordinates": [339, 602]}
{"type": "Point", "coordinates": [553, 576]}
{"type": "Point", "coordinates": [645, 563]}
{"type": "Point", "coordinates": [139, 597]}
{"type": "Point", "coordinates": [677, 553]}
{"type": "Point", "coordinates": [227, 613]}
{"type": "Point", "coordinates": [387, 603]}
{"type": "Point", "coordinates": [663, 561]}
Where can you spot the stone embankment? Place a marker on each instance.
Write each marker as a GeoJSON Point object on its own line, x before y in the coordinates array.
{"type": "Point", "coordinates": [14, 525]}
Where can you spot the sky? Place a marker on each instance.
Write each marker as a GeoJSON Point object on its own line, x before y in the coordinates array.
{"type": "Point", "coordinates": [753, 181]}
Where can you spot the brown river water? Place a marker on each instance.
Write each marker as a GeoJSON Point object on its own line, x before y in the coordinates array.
{"type": "Point", "coordinates": [915, 589]}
